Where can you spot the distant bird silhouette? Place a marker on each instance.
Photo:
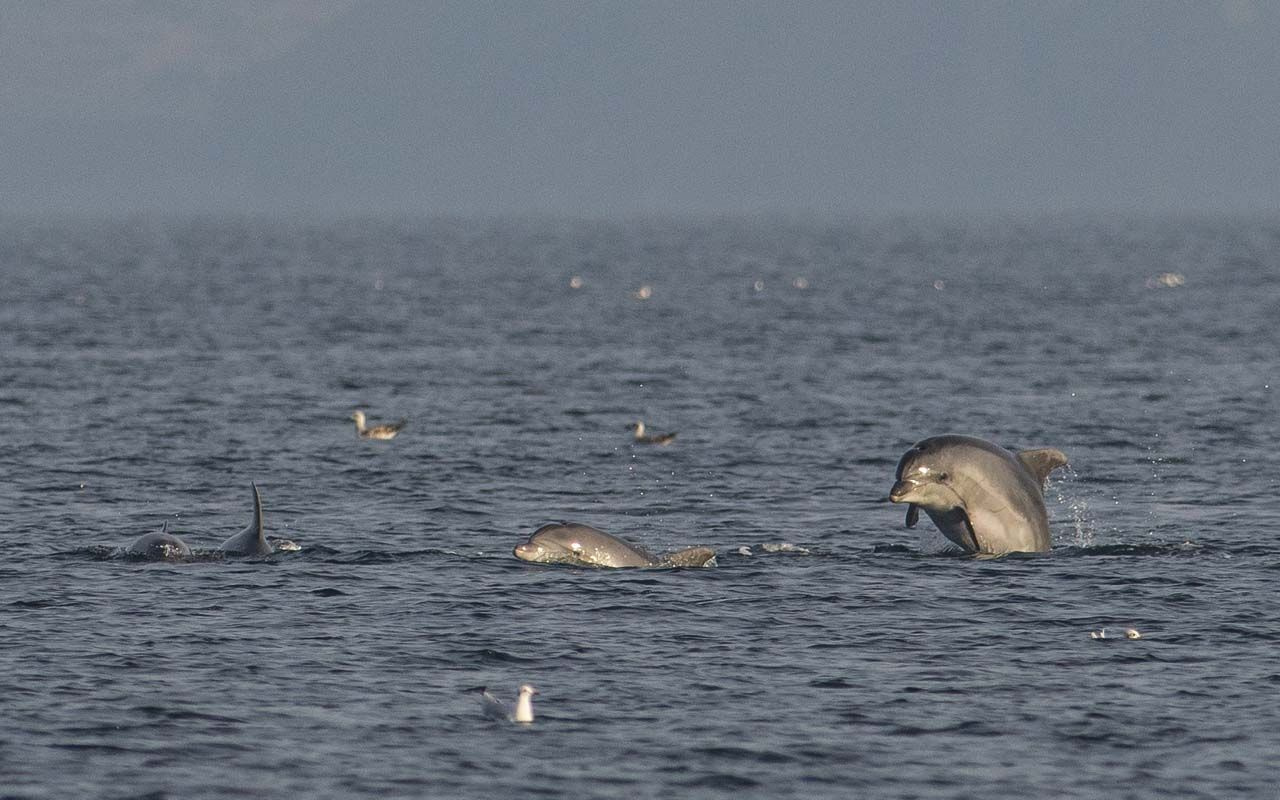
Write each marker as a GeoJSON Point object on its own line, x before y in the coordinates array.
{"type": "Point", "coordinates": [495, 708]}
{"type": "Point", "coordinates": [377, 431]}
{"type": "Point", "coordinates": [641, 437]}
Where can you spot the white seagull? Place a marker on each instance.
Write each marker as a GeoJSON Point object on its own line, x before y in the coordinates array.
{"type": "Point", "coordinates": [495, 708]}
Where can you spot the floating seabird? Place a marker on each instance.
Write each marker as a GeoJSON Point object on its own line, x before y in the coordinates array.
{"type": "Point", "coordinates": [377, 431]}
{"type": "Point", "coordinates": [650, 438]}
{"type": "Point", "coordinates": [495, 708]}
{"type": "Point", "coordinates": [1129, 633]}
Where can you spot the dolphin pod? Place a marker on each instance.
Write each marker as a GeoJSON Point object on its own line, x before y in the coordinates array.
{"type": "Point", "coordinates": [251, 541]}
{"type": "Point", "coordinates": [585, 546]}
{"type": "Point", "coordinates": [983, 498]}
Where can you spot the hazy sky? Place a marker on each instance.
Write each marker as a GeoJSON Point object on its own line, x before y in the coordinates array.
{"type": "Point", "coordinates": [614, 108]}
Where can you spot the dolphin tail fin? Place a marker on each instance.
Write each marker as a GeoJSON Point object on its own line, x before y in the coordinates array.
{"type": "Point", "coordinates": [1042, 462]}
{"type": "Point", "coordinates": [690, 557]}
{"type": "Point", "coordinates": [257, 511]}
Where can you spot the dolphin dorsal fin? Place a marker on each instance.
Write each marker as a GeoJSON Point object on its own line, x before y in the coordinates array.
{"type": "Point", "coordinates": [257, 511]}
{"type": "Point", "coordinates": [690, 557]}
{"type": "Point", "coordinates": [1041, 462]}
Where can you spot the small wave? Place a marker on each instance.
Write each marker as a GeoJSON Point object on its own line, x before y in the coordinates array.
{"type": "Point", "coordinates": [106, 553]}
{"type": "Point", "coordinates": [98, 552]}
{"type": "Point", "coordinates": [967, 727]}
{"type": "Point", "coordinates": [38, 603]}
{"type": "Point", "coordinates": [183, 713]}
{"type": "Point", "coordinates": [378, 556]}
{"type": "Point", "coordinates": [832, 683]}
{"type": "Point", "coordinates": [99, 747]}
{"type": "Point", "coordinates": [490, 656]}
{"type": "Point", "coordinates": [744, 754]}
{"type": "Point", "coordinates": [721, 780]}
{"type": "Point", "coordinates": [1185, 548]}
{"type": "Point", "coordinates": [772, 548]}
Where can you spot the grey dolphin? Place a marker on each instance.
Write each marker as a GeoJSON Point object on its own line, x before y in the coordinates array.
{"type": "Point", "coordinates": [250, 541]}
{"type": "Point", "coordinates": [585, 546]}
{"type": "Point", "coordinates": [982, 497]}
{"type": "Point", "coordinates": [161, 546]}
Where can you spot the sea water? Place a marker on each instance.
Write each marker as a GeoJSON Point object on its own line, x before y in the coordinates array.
{"type": "Point", "coordinates": [151, 368]}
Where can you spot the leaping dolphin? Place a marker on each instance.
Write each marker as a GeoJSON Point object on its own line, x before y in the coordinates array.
{"type": "Point", "coordinates": [585, 546]}
{"type": "Point", "coordinates": [250, 541]}
{"type": "Point", "coordinates": [982, 497]}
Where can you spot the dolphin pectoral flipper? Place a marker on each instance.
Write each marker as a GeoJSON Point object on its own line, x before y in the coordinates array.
{"type": "Point", "coordinates": [1041, 462]}
{"type": "Point", "coordinates": [966, 530]}
{"type": "Point", "coordinates": [956, 525]}
{"type": "Point", "coordinates": [913, 515]}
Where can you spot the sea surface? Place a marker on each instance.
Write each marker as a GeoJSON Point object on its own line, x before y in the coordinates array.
{"type": "Point", "coordinates": [150, 369]}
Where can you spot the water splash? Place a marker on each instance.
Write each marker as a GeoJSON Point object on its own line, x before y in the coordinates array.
{"type": "Point", "coordinates": [1083, 526]}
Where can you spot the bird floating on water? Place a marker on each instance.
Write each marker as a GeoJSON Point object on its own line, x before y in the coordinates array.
{"type": "Point", "coordinates": [650, 438]}
{"type": "Point", "coordinates": [495, 708]}
{"type": "Point", "coordinates": [1129, 633]}
{"type": "Point", "coordinates": [387, 431]}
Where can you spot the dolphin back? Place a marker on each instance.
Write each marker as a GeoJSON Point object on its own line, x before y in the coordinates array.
{"type": "Point", "coordinates": [690, 557]}
{"type": "Point", "coordinates": [161, 546]}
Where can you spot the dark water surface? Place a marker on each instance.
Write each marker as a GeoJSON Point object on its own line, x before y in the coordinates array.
{"type": "Point", "coordinates": [151, 369]}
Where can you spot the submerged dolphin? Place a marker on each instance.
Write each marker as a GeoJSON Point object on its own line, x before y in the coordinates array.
{"type": "Point", "coordinates": [161, 546]}
{"type": "Point", "coordinates": [250, 541]}
{"type": "Point", "coordinates": [584, 546]}
{"type": "Point", "coordinates": [982, 497]}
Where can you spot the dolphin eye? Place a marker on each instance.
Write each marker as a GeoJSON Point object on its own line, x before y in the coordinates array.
{"type": "Point", "coordinates": [942, 476]}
